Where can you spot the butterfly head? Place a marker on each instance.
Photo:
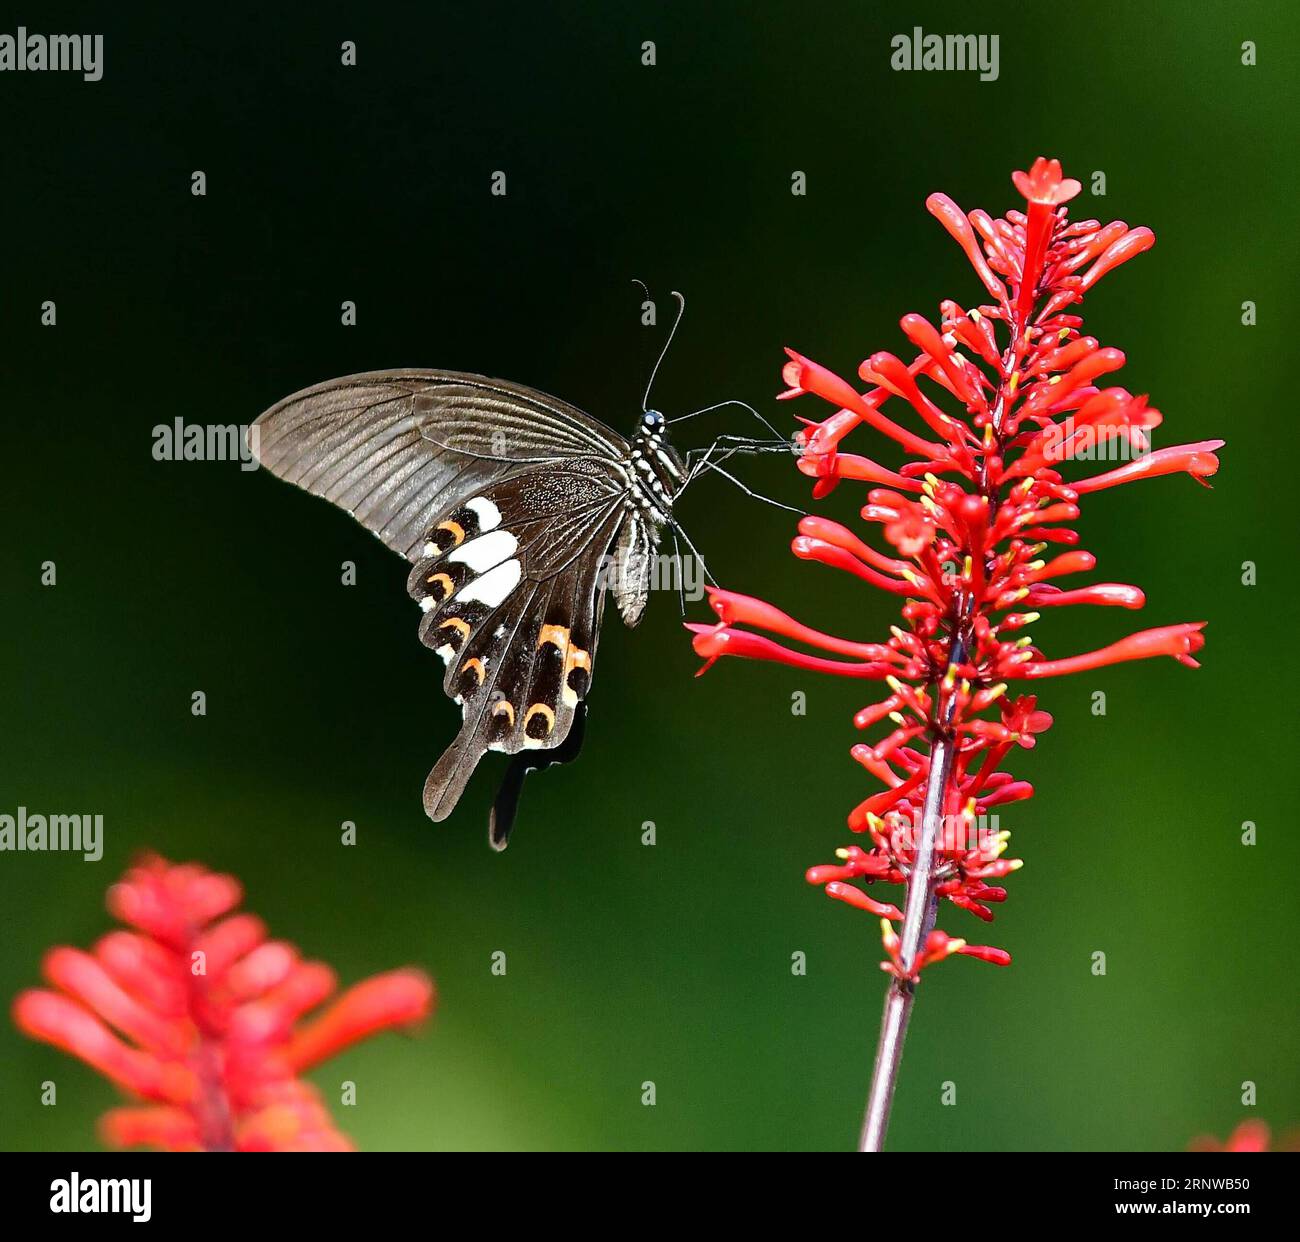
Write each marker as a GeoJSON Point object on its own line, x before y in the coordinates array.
{"type": "Point", "coordinates": [663, 468]}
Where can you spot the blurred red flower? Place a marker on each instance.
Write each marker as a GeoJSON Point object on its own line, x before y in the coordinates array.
{"type": "Point", "coordinates": [1249, 1136]}
{"type": "Point", "coordinates": [197, 1014]}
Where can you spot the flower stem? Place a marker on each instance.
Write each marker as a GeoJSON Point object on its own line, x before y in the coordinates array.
{"type": "Point", "coordinates": [920, 910]}
{"type": "Point", "coordinates": [918, 922]}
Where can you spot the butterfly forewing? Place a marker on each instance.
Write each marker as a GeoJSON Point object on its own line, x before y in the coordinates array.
{"type": "Point", "coordinates": [393, 447]}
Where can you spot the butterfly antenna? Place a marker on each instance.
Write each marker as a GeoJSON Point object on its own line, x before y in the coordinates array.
{"type": "Point", "coordinates": [681, 310]}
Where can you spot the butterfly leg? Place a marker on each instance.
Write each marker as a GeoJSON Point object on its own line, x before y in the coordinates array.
{"type": "Point", "coordinates": [730, 446]}
{"type": "Point", "coordinates": [696, 553]}
{"type": "Point", "coordinates": [681, 574]}
{"type": "Point", "coordinates": [708, 409]}
{"type": "Point", "coordinates": [749, 491]}
{"type": "Point", "coordinates": [696, 460]}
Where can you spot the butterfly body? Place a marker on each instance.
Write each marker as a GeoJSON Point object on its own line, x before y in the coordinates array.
{"type": "Point", "coordinates": [517, 511]}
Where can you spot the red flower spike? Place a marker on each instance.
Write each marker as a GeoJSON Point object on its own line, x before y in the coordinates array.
{"type": "Point", "coordinates": [201, 1018]}
{"type": "Point", "coordinates": [1010, 391]}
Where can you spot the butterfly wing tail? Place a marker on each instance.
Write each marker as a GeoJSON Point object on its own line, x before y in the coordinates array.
{"type": "Point", "coordinates": [506, 806]}
{"type": "Point", "coordinates": [450, 775]}
{"type": "Point", "coordinates": [501, 819]}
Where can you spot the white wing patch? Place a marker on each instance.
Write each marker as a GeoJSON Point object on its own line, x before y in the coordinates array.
{"type": "Point", "coordinates": [493, 587]}
{"type": "Point", "coordinates": [482, 553]}
{"type": "Point", "coordinates": [489, 516]}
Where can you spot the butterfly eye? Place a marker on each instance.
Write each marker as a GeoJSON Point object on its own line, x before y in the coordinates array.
{"type": "Point", "coordinates": [652, 420]}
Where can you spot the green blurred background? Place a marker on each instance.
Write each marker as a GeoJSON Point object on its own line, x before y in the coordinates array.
{"type": "Point", "coordinates": [628, 963]}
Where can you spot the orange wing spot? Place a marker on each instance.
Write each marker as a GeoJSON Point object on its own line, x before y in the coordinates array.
{"type": "Point", "coordinates": [576, 658]}
{"type": "Point", "coordinates": [456, 623]}
{"type": "Point", "coordinates": [556, 635]}
{"type": "Point", "coordinates": [474, 665]}
{"type": "Point", "coordinates": [442, 580]}
{"type": "Point", "coordinates": [540, 709]}
{"type": "Point", "coordinates": [456, 530]}
{"type": "Point", "coordinates": [502, 708]}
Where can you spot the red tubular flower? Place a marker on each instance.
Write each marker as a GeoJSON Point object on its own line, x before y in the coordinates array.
{"type": "Point", "coordinates": [1009, 388]}
{"type": "Point", "coordinates": [198, 1014]}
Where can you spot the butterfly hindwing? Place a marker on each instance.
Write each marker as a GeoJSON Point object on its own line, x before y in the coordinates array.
{"type": "Point", "coordinates": [512, 585]}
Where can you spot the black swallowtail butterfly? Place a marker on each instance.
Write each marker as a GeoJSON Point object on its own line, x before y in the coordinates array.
{"type": "Point", "coordinates": [517, 512]}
